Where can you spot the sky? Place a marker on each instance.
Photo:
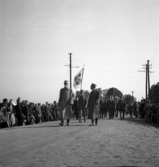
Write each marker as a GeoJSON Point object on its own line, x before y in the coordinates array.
{"type": "Point", "coordinates": [113, 39]}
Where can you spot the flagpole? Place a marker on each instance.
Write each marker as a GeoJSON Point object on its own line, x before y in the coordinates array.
{"type": "Point", "coordinates": [82, 76]}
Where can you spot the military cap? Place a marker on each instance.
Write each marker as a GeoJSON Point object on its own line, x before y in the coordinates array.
{"type": "Point", "coordinates": [5, 100]}
{"type": "Point", "coordinates": [94, 85]}
{"type": "Point", "coordinates": [66, 82]}
{"type": "Point", "coordinates": [82, 91]}
{"type": "Point", "coordinates": [18, 98]}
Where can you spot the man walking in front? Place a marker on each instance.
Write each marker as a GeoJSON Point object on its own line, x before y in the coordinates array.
{"type": "Point", "coordinates": [65, 102]}
{"type": "Point", "coordinates": [94, 105]}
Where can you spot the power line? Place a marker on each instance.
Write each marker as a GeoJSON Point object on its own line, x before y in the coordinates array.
{"type": "Point", "coordinates": [110, 71]}
{"type": "Point", "coordinates": [29, 51]}
{"type": "Point", "coordinates": [32, 36]}
{"type": "Point", "coordinates": [13, 36]}
{"type": "Point", "coordinates": [107, 61]}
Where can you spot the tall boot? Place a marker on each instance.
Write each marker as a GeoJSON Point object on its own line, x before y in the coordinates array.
{"type": "Point", "coordinates": [96, 121]}
{"type": "Point", "coordinates": [68, 120]}
{"type": "Point", "coordinates": [92, 123]}
{"type": "Point", "coordinates": [62, 122]}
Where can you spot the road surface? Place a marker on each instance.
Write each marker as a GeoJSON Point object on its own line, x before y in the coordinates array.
{"type": "Point", "coordinates": [131, 142]}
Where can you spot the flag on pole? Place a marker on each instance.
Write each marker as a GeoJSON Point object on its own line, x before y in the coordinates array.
{"type": "Point", "coordinates": [78, 79]}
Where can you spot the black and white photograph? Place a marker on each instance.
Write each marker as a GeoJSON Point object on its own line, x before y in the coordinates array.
{"type": "Point", "coordinates": [79, 83]}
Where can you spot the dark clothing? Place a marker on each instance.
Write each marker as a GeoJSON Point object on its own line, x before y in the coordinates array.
{"type": "Point", "coordinates": [19, 114]}
{"type": "Point", "coordinates": [111, 108]}
{"type": "Point", "coordinates": [94, 104]}
{"type": "Point", "coordinates": [82, 102]}
{"type": "Point", "coordinates": [81, 105]}
{"type": "Point", "coordinates": [75, 108]}
{"type": "Point", "coordinates": [65, 103]}
{"type": "Point", "coordinates": [121, 109]}
{"type": "Point", "coordinates": [101, 109]}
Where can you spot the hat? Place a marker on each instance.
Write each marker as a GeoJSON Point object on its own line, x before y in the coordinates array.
{"type": "Point", "coordinates": [94, 85]}
{"type": "Point", "coordinates": [18, 99]}
{"type": "Point", "coordinates": [82, 91]}
{"type": "Point", "coordinates": [5, 100]}
{"type": "Point", "coordinates": [66, 82]}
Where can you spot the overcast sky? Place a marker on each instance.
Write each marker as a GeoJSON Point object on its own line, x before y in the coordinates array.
{"type": "Point", "coordinates": [113, 38]}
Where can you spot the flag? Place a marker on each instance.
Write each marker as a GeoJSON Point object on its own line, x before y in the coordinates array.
{"type": "Point", "coordinates": [78, 79]}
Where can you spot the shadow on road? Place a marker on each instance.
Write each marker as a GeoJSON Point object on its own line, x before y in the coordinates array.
{"type": "Point", "coordinates": [137, 121]}
{"type": "Point", "coordinates": [41, 126]}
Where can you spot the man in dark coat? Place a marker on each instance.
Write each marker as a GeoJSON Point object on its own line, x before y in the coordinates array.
{"type": "Point", "coordinates": [122, 108]}
{"type": "Point", "coordinates": [82, 105]}
{"type": "Point", "coordinates": [75, 108]}
{"type": "Point", "coordinates": [65, 103]}
{"type": "Point", "coordinates": [101, 109]}
{"type": "Point", "coordinates": [19, 113]}
{"type": "Point", "coordinates": [94, 105]}
{"type": "Point", "coordinates": [111, 107]}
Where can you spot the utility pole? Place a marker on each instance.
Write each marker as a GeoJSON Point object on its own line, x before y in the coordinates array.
{"type": "Point", "coordinates": [70, 65]}
{"type": "Point", "coordinates": [132, 93]}
{"type": "Point", "coordinates": [147, 82]}
{"type": "Point", "coordinates": [148, 78]}
{"type": "Point", "coordinates": [70, 70]}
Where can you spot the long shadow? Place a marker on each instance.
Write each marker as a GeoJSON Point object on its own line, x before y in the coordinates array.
{"type": "Point", "coordinates": [29, 127]}
{"type": "Point", "coordinates": [138, 121]}
{"type": "Point", "coordinates": [44, 126]}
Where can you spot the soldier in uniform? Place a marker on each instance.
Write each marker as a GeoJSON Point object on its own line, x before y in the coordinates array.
{"type": "Point", "coordinates": [101, 109]}
{"type": "Point", "coordinates": [135, 109]}
{"type": "Point", "coordinates": [94, 105]}
{"type": "Point", "coordinates": [111, 107]}
{"type": "Point", "coordinates": [122, 109]}
{"type": "Point", "coordinates": [65, 102]}
{"type": "Point", "coordinates": [82, 105]}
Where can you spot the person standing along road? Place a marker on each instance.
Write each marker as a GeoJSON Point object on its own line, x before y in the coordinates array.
{"type": "Point", "coordinates": [94, 105]}
{"type": "Point", "coordinates": [12, 113]}
{"type": "Point", "coordinates": [65, 103]}
{"type": "Point", "coordinates": [19, 113]}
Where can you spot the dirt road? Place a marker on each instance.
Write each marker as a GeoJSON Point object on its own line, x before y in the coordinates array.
{"type": "Point", "coordinates": [112, 143]}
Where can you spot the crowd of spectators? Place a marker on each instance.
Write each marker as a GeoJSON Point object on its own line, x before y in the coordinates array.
{"type": "Point", "coordinates": [21, 113]}
{"type": "Point", "coordinates": [149, 111]}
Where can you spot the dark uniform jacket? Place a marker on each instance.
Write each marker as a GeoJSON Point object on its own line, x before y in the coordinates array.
{"type": "Point", "coordinates": [94, 104]}
{"type": "Point", "coordinates": [82, 102]}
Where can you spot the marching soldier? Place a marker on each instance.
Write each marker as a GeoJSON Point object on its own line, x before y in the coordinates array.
{"type": "Point", "coordinates": [65, 102]}
{"type": "Point", "coordinates": [82, 105]}
{"type": "Point", "coordinates": [101, 109]}
{"type": "Point", "coordinates": [135, 109]}
{"type": "Point", "coordinates": [94, 105]}
{"type": "Point", "coordinates": [111, 107]}
{"type": "Point", "coordinates": [122, 109]}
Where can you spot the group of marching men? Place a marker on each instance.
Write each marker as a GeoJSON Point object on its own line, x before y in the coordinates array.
{"type": "Point", "coordinates": [93, 108]}
{"type": "Point", "coordinates": [110, 107]}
